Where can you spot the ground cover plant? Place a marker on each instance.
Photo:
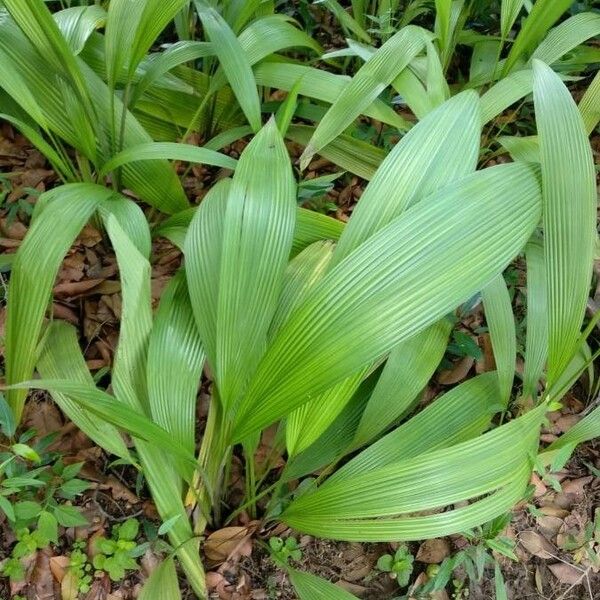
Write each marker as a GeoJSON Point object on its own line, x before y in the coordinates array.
{"type": "Point", "coordinates": [309, 338]}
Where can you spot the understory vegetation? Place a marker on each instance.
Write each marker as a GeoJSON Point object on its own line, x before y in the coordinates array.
{"type": "Point", "coordinates": [296, 270]}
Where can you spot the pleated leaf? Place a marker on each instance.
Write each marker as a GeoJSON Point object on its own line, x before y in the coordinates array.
{"type": "Point", "coordinates": [131, 29]}
{"type": "Point", "coordinates": [170, 151]}
{"type": "Point", "coordinates": [459, 415]}
{"type": "Point", "coordinates": [77, 23]}
{"type": "Point", "coordinates": [569, 195]}
{"type": "Point", "coordinates": [489, 464]}
{"type": "Point", "coordinates": [370, 80]}
{"type": "Point", "coordinates": [257, 238]}
{"type": "Point", "coordinates": [443, 146]}
{"type": "Point", "coordinates": [67, 209]}
{"type": "Point", "coordinates": [61, 358]}
{"type": "Point", "coordinates": [536, 345]}
{"type": "Point", "coordinates": [175, 359]}
{"type": "Point", "coordinates": [311, 587]}
{"type": "Point", "coordinates": [541, 18]}
{"type": "Point", "coordinates": [509, 11]}
{"type": "Point", "coordinates": [405, 277]}
{"type": "Point", "coordinates": [162, 583]}
{"type": "Point", "coordinates": [233, 61]}
{"type": "Point", "coordinates": [407, 371]}
{"type": "Point", "coordinates": [501, 325]}
{"type": "Point", "coordinates": [589, 106]}
{"type": "Point", "coordinates": [567, 36]}
{"type": "Point", "coordinates": [324, 86]}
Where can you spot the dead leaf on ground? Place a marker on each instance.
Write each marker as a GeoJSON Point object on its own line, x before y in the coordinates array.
{"type": "Point", "coordinates": [458, 372]}
{"type": "Point", "coordinates": [58, 567]}
{"type": "Point", "coordinates": [72, 289]}
{"type": "Point", "coordinates": [433, 551]}
{"type": "Point", "coordinates": [566, 573]}
{"type": "Point", "coordinates": [118, 490]}
{"type": "Point", "coordinates": [537, 544]}
{"type": "Point", "coordinates": [41, 581]}
{"type": "Point", "coordinates": [223, 544]}
{"type": "Point", "coordinates": [68, 586]}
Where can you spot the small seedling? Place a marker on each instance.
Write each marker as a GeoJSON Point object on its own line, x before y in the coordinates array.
{"type": "Point", "coordinates": [117, 554]}
{"type": "Point", "coordinates": [284, 550]}
{"type": "Point", "coordinates": [80, 568]}
{"type": "Point", "coordinates": [399, 566]}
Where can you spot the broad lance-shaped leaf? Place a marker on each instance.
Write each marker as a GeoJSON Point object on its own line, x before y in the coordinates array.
{"type": "Point", "coordinates": [162, 583]}
{"type": "Point", "coordinates": [567, 36]}
{"type": "Point", "coordinates": [501, 325]}
{"type": "Point", "coordinates": [61, 358]}
{"type": "Point", "coordinates": [311, 587]}
{"type": "Point", "coordinates": [67, 210]}
{"type": "Point", "coordinates": [542, 16]}
{"type": "Point", "coordinates": [129, 381]}
{"type": "Point", "coordinates": [407, 371]}
{"type": "Point", "coordinates": [444, 146]}
{"type": "Point", "coordinates": [459, 415]}
{"type": "Point", "coordinates": [589, 106]}
{"type": "Point", "coordinates": [131, 29]}
{"type": "Point", "coordinates": [203, 249]}
{"type": "Point", "coordinates": [494, 463]}
{"type": "Point", "coordinates": [257, 238]}
{"type": "Point", "coordinates": [408, 275]}
{"type": "Point", "coordinates": [77, 23]}
{"type": "Point", "coordinates": [371, 79]}
{"type": "Point", "coordinates": [168, 150]}
{"type": "Point", "coordinates": [569, 195]}
{"type": "Point", "coordinates": [233, 60]}
{"type": "Point", "coordinates": [536, 344]}
{"type": "Point", "coordinates": [175, 359]}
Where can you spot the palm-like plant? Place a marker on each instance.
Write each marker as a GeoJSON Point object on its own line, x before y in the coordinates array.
{"type": "Point", "coordinates": [333, 341]}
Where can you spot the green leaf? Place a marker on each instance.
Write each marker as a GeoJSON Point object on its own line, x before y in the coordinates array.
{"type": "Point", "coordinates": [355, 309]}
{"type": "Point", "coordinates": [69, 516]}
{"type": "Point", "coordinates": [509, 11]}
{"type": "Point", "coordinates": [321, 85]}
{"type": "Point", "coordinates": [118, 414]}
{"type": "Point", "coordinates": [370, 80]}
{"type": "Point", "coordinates": [567, 36]}
{"type": "Point", "coordinates": [569, 195]}
{"type": "Point", "coordinates": [256, 241]}
{"type": "Point", "coordinates": [67, 209]}
{"type": "Point", "coordinates": [168, 525]}
{"type": "Point", "coordinates": [233, 61]}
{"type": "Point", "coordinates": [129, 530]}
{"type": "Point", "coordinates": [7, 419]}
{"type": "Point", "coordinates": [167, 150]}
{"type": "Point", "coordinates": [7, 508]}
{"type": "Point", "coordinates": [26, 510]}
{"type": "Point", "coordinates": [47, 526]}
{"type": "Point", "coordinates": [536, 345]}
{"type": "Point", "coordinates": [542, 16]}
{"type": "Point", "coordinates": [311, 587]}
{"type": "Point", "coordinates": [131, 29]}
{"type": "Point", "coordinates": [175, 360]}
{"type": "Point", "coordinates": [77, 23]}
{"type": "Point", "coordinates": [26, 452]}
{"type": "Point", "coordinates": [377, 505]}
{"type": "Point", "coordinates": [162, 583]}
{"type": "Point", "coordinates": [443, 146]}
{"type": "Point", "coordinates": [406, 373]}
{"type": "Point", "coordinates": [501, 325]}
{"type": "Point", "coordinates": [60, 357]}
{"type": "Point", "coordinates": [589, 106]}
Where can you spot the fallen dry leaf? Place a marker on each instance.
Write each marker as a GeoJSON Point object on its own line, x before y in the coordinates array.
{"type": "Point", "coordinates": [41, 581]}
{"type": "Point", "coordinates": [222, 544]}
{"type": "Point", "coordinates": [58, 566]}
{"type": "Point", "coordinates": [537, 544]}
{"type": "Point", "coordinates": [566, 573]}
{"type": "Point", "coordinates": [68, 586]}
{"type": "Point", "coordinates": [433, 551]}
{"type": "Point", "coordinates": [458, 372]}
